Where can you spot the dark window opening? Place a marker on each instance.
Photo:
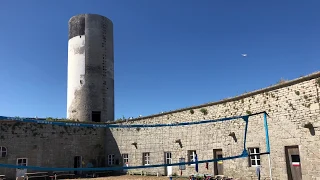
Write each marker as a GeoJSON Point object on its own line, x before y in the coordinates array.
{"type": "Point", "coordinates": [96, 116]}
{"type": "Point", "coordinates": [295, 158]}
{"type": "Point", "coordinates": [3, 151]}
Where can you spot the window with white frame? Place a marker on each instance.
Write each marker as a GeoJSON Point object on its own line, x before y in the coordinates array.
{"type": "Point", "coordinates": [254, 158]}
{"type": "Point", "coordinates": [3, 151]}
{"type": "Point", "coordinates": [146, 158]}
{"type": "Point", "coordinates": [22, 161]}
{"type": "Point", "coordinates": [125, 158]}
{"type": "Point", "coordinates": [192, 156]}
{"type": "Point", "coordinates": [168, 157]}
{"type": "Point", "coordinates": [111, 159]}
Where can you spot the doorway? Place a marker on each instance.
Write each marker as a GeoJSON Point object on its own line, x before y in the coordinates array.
{"type": "Point", "coordinates": [293, 162]}
{"type": "Point", "coordinates": [20, 173]}
{"type": "Point", "coordinates": [168, 160]}
{"type": "Point", "coordinates": [77, 163]}
{"type": "Point", "coordinates": [96, 116]}
{"type": "Point", "coordinates": [217, 165]}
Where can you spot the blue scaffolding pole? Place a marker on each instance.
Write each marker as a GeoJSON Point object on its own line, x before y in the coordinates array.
{"type": "Point", "coordinates": [267, 142]}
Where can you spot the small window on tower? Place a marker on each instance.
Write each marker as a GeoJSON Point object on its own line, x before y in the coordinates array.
{"type": "Point", "coordinates": [96, 116]}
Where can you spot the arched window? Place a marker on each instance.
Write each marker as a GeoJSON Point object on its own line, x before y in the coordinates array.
{"type": "Point", "coordinates": [3, 151]}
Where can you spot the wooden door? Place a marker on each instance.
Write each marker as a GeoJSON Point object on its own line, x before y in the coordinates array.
{"type": "Point", "coordinates": [293, 163]}
{"type": "Point", "coordinates": [218, 165]}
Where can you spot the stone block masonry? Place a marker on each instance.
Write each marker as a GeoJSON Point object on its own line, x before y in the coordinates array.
{"type": "Point", "coordinates": [49, 145]}
{"type": "Point", "coordinates": [290, 106]}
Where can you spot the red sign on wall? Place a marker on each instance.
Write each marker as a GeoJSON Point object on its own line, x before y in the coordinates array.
{"type": "Point", "coordinates": [295, 164]}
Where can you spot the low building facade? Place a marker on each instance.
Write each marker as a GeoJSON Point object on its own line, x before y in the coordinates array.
{"type": "Point", "coordinates": [45, 145]}
{"type": "Point", "coordinates": [293, 109]}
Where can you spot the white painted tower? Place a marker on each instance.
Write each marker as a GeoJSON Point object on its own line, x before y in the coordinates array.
{"type": "Point", "coordinates": [90, 94]}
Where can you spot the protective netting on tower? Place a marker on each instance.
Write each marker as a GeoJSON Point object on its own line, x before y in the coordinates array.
{"type": "Point", "coordinates": [44, 145]}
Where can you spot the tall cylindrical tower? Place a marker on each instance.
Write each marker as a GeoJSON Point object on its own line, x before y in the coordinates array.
{"type": "Point", "coordinates": [90, 95]}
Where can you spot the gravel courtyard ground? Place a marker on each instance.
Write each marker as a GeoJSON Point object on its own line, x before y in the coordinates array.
{"type": "Point", "coordinates": [131, 177]}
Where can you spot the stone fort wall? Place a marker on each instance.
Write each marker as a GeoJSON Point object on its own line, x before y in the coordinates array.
{"type": "Point", "coordinates": [290, 105]}
{"type": "Point", "coordinates": [49, 145]}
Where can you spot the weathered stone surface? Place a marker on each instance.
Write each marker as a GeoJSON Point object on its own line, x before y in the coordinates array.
{"type": "Point", "coordinates": [289, 105]}
{"type": "Point", "coordinates": [90, 68]}
{"type": "Point", "coordinates": [49, 145]}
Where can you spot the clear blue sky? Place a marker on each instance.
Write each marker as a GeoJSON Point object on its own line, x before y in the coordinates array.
{"type": "Point", "coordinates": [169, 54]}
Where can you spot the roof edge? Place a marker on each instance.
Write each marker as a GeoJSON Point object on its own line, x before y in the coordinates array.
{"type": "Point", "coordinates": [235, 98]}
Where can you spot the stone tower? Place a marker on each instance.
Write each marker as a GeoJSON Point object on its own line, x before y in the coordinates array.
{"type": "Point", "coordinates": [90, 94]}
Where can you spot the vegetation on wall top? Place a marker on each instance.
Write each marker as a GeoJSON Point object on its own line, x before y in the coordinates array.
{"type": "Point", "coordinates": [204, 111]}
{"type": "Point", "coordinates": [21, 129]}
{"type": "Point", "coordinates": [318, 81]}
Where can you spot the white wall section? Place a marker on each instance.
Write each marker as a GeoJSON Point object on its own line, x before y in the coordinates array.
{"type": "Point", "coordinates": [76, 68]}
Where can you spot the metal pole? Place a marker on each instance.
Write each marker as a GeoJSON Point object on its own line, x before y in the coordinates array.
{"type": "Point", "coordinates": [267, 142]}
{"type": "Point", "coordinates": [270, 167]}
